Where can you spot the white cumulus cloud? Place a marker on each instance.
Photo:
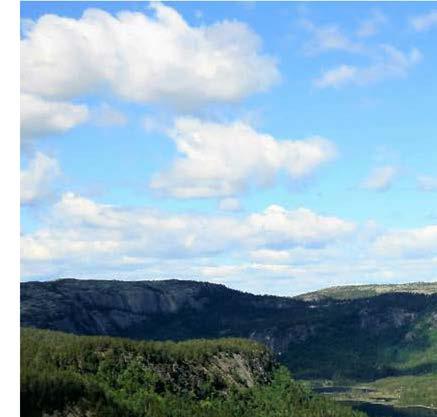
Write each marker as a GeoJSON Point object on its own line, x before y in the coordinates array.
{"type": "Point", "coordinates": [40, 117]}
{"type": "Point", "coordinates": [79, 228]}
{"type": "Point", "coordinates": [277, 250]}
{"type": "Point", "coordinates": [225, 159]}
{"type": "Point", "coordinates": [277, 227]}
{"type": "Point", "coordinates": [419, 242]}
{"type": "Point", "coordinates": [143, 58]}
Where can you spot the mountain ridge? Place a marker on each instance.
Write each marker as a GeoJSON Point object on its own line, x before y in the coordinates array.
{"type": "Point", "coordinates": [382, 335]}
{"type": "Point", "coordinates": [418, 287]}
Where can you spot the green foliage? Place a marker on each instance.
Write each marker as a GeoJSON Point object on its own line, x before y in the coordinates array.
{"type": "Point", "coordinates": [364, 340]}
{"type": "Point", "coordinates": [108, 377]}
{"type": "Point", "coordinates": [352, 333]}
{"type": "Point", "coordinates": [409, 390]}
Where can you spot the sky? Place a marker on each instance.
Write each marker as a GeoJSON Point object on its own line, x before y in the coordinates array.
{"type": "Point", "coordinates": [275, 148]}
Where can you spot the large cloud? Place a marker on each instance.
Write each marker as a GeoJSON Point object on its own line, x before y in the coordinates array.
{"type": "Point", "coordinates": [224, 159]}
{"type": "Point", "coordinates": [274, 251]}
{"type": "Point", "coordinates": [79, 229]}
{"type": "Point", "coordinates": [37, 179]}
{"type": "Point", "coordinates": [143, 58]}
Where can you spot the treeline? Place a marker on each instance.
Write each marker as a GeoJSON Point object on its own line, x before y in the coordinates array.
{"type": "Point", "coordinates": [108, 377]}
{"type": "Point", "coordinates": [368, 339]}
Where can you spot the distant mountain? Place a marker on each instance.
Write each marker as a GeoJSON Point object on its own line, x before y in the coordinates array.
{"type": "Point", "coordinates": [359, 333]}
{"type": "Point", "coordinates": [350, 292]}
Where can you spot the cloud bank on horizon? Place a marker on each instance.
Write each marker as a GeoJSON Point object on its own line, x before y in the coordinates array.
{"type": "Point", "coordinates": [276, 149]}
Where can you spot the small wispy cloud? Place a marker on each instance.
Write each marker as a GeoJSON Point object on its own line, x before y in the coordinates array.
{"type": "Point", "coordinates": [372, 25]}
{"type": "Point", "coordinates": [106, 115]}
{"type": "Point", "coordinates": [328, 38]}
{"type": "Point", "coordinates": [425, 21]}
{"type": "Point", "coordinates": [426, 183]}
{"type": "Point", "coordinates": [381, 178]}
{"type": "Point", "coordinates": [229, 204]}
{"type": "Point", "coordinates": [337, 77]}
{"type": "Point", "coordinates": [37, 179]}
{"type": "Point", "coordinates": [390, 63]}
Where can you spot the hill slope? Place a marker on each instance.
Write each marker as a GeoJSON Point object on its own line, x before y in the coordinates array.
{"type": "Point", "coordinates": [71, 376]}
{"type": "Point", "coordinates": [350, 292]}
{"type": "Point", "coordinates": [342, 337]}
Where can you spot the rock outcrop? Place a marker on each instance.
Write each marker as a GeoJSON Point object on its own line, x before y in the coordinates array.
{"type": "Point", "coordinates": [316, 335]}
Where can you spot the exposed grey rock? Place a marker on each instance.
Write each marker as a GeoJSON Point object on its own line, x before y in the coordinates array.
{"type": "Point", "coordinates": [292, 327]}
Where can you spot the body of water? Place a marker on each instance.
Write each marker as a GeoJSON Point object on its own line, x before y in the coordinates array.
{"type": "Point", "coordinates": [377, 410]}
{"type": "Point", "coordinates": [383, 410]}
{"type": "Point", "coordinates": [331, 390]}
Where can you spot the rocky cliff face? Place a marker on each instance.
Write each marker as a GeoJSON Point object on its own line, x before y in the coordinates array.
{"type": "Point", "coordinates": [63, 375]}
{"type": "Point", "coordinates": [104, 307]}
{"type": "Point", "coordinates": [143, 310]}
{"type": "Point", "coordinates": [296, 329]}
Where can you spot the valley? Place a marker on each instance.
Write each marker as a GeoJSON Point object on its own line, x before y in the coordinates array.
{"type": "Point", "coordinates": [379, 343]}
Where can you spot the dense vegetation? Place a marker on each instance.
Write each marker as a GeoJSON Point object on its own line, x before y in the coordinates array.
{"type": "Point", "coordinates": [109, 377]}
{"type": "Point", "coordinates": [355, 340]}
{"type": "Point", "coordinates": [382, 337]}
{"type": "Point", "coordinates": [415, 370]}
{"type": "Point", "coordinates": [355, 335]}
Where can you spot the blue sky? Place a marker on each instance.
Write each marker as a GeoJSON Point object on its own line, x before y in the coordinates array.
{"type": "Point", "coordinates": [272, 147]}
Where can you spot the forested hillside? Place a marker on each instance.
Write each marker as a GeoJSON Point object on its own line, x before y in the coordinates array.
{"type": "Point", "coordinates": [65, 375]}
{"type": "Point", "coordinates": [346, 337]}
